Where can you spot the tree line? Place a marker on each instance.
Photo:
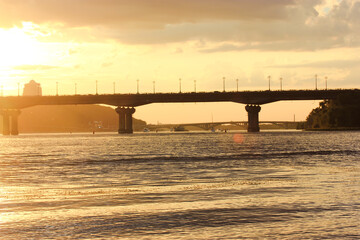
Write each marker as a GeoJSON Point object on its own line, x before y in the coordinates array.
{"type": "Point", "coordinates": [340, 113]}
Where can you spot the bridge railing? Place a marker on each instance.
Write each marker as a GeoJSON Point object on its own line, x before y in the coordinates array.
{"type": "Point", "coordinates": [276, 91]}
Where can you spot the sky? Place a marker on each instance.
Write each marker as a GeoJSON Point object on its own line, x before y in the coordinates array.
{"type": "Point", "coordinates": [202, 42]}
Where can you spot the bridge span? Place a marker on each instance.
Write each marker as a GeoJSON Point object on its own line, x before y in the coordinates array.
{"type": "Point", "coordinates": [212, 125]}
{"type": "Point", "coordinates": [10, 106]}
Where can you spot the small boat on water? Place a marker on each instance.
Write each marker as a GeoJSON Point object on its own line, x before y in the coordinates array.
{"type": "Point", "coordinates": [180, 129]}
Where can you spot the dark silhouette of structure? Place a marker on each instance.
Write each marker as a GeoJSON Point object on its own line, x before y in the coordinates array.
{"type": "Point", "coordinates": [32, 89]}
{"type": "Point", "coordinates": [126, 103]}
{"type": "Point", "coordinates": [125, 119]}
{"type": "Point", "coordinates": [220, 125]}
{"type": "Point", "coordinates": [253, 117]}
{"type": "Point", "coordinates": [342, 113]}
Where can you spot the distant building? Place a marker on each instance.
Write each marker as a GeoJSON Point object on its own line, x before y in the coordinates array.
{"type": "Point", "coordinates": [32, 89]}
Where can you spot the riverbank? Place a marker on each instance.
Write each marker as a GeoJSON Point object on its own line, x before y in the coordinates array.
{"type": "Point", "coordinates": [333, 129]}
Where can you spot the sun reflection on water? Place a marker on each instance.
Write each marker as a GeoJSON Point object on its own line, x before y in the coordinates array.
{"type": "Point", "coordinates": [238, 185]}
{"type": "Point", "coordinates": [238, 138]}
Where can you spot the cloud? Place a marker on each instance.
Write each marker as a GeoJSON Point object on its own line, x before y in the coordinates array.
{"type": "Point", "coordinates": [278, 45]}
{"type": "Point", "coordinates": [178, 50]}
{"type": "Point", "coordinates": [72, 51]}
{"type": "Point", "coordinates": [230, 25]}
{"type": "Point", "coordinates": [106, 64]}
{"type": "Point", "coordinates": [34, 67]}
{"type": "Point", "coordinates": [352, 63]}
{"type": "Point", "coordinates": [304, 31]}
{"type": "Point", "coordinates": [137, 13]}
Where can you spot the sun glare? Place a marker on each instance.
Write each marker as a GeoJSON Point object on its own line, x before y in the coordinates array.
{"type": "Point", "coordinates": [18, 47]}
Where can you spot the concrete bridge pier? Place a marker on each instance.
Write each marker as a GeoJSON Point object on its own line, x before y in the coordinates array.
{"type": "Point", "coordinates": [253, 117]}
{"type": "Point", "coordinates": [128, 120]}
{"type": "Point", "coordinates": [125, 119]}
{"type": "Point", "coordinates": [6, 122]}
{"type": "Point", "coordinates": [10, 121]}
{"type": "Point", "coordinates": [14, 122]}
{"type": "Point", "coordinates": [121, 112]}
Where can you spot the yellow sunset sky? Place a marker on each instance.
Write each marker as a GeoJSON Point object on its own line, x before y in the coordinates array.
{"type": "Point", "coordinates": [121, 41]}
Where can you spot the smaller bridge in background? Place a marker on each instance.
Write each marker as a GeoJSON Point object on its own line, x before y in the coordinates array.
{"type": "Point", "coordinates": [207, 126]}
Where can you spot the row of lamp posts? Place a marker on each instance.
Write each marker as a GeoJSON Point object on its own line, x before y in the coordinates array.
{"type": "Point", "coordinates": [237, 85]}
{"type": "Point", "coordinates": [316, 82]}
{"type": "Point", "coordinates": [138, 91]}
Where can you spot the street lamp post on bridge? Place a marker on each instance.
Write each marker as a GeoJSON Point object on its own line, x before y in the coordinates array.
{"type": "Point", "coordinates": [223, 84]}
{"type": "Point", "coordinates": [326, 78]}
{"type": "Point", "coordinates": [137, 86]}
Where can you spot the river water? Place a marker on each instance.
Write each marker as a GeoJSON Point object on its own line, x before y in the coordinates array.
{"type": "Point", "coordinates": [274, 185]}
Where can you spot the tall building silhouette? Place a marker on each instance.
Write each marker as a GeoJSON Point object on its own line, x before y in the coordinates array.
{"type": "Point", "coordinates": [32, 89]}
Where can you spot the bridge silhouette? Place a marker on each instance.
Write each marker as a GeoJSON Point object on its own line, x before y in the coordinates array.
{"type": "Point", "coordinates": [213, 125]}
{"type": "Point", "coordinates": [10, 106]}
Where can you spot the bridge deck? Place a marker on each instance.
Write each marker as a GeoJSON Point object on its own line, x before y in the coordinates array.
{"type": "Point", "coordinates": [133, 100]}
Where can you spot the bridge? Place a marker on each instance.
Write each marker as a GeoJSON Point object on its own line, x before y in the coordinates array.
{"type": "Point", "coordinates": [10, 106]}
{"type": "Point", "coordinates": [213, 125]}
